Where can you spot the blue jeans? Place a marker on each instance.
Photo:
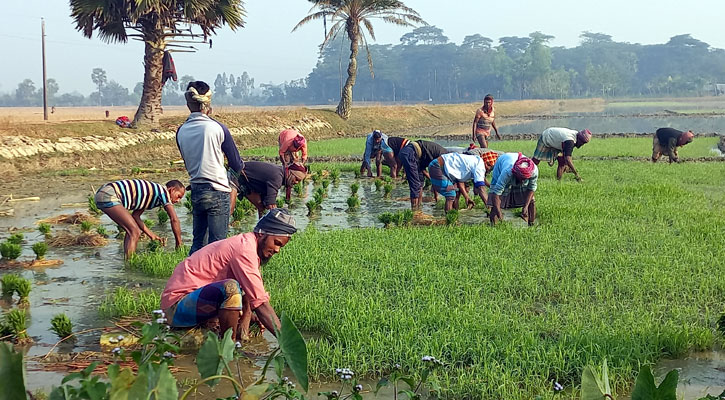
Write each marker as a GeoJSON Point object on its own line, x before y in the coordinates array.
{"type": "Point", "coordinates": [211, 213]}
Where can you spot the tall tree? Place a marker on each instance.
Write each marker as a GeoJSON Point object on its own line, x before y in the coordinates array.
{"type": "Point", "coordinates": [351, 16]}
{"type": "Point", "coordinates": [99, 78]}
{"type": "Point", "coordinates": [157, 23]}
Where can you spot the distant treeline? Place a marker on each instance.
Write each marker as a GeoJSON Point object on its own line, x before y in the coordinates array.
{"type": "Point", "coordinates": [426, 66]}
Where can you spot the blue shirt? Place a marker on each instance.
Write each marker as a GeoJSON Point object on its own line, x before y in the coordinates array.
{"type": "Point", "coordinates": [503, 176]}
{"type": "Point", "coordinates": [370, 146]}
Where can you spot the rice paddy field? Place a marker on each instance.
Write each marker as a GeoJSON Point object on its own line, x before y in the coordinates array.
{"type": "Point", "coordinates": [626, 266]}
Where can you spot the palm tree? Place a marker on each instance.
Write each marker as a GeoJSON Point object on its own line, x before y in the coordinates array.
{"type": "Point", "coordinates": [157, 23]}
{"type": "Point", "coordinates": [351, 16]}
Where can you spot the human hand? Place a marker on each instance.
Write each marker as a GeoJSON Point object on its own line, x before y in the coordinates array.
{"type": "Point", "coordinates": [179, 245]}
{"type": "Point", "coordinates": [578, 178]}
{"type": "Point", "coordinates": [162, 240]}
{"type": "Point", "coordinates": [525, 214]}
{"type": "Point", "coordinates": [470, 204]}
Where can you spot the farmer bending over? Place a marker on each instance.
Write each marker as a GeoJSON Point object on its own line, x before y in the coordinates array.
{"type": "Point", "coordinates": [291, 144]}
{"type": "Point", "coordinates": [376, 146]}
{"type": "Point", "coordinates": [211, 282]}
{"type": "Point", "coordinates": [667, 140]}
{"type": "Point", "coordinates": [260, 182]}
{"type": "Point", "coordinates": [450, 172]}
{"type": "Point", "coordinates": [513, 185]}
{"type": "Point", "coordinates": [203, 143]}
{"type": "Point", "coordinates": [558, 144]}
{"type": "Point", "coordinates": [415, 156]}
{"type": "Point", "coordinates": [138, 195]}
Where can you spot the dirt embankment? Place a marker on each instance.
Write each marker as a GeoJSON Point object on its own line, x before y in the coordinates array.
{"type": "Point", "coordinates": [27, 148]}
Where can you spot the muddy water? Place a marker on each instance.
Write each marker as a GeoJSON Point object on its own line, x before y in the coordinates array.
{"type": "Point", "coordinates": [701, 373]}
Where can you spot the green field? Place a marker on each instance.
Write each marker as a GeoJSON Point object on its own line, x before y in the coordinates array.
{"type": "Point", "coordinates": [625, 266]}
{"type": "Point", "coordinates": [610, 147]}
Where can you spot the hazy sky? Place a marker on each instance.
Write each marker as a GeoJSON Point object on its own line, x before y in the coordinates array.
{"type": "Point", "coordinates": [268, 51]}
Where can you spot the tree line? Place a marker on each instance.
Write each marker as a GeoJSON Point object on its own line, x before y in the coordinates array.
{"type": "Point", "coordinates": [426, 66]}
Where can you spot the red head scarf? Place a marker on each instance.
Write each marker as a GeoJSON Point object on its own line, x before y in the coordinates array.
{"type": "Point", "coordinates": [523, 168]}
{"type": "Point", "coordinates": [299, 141]}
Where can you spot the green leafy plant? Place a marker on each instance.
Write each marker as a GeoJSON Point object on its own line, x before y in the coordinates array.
{"type": "Point", "coordinates": [646, 389]}
{"type": "Point", "coordinates": [22, 288]}
{"type": "Point", "coordinates": [9, 282]}
{"type": "Point", "coordinates": [386, 218]}
{"type": "Point", "coordinates": [61, 325]}
{"type": "Point", "coordinates": [335, 175]}
{"type": "Point", "coordinates": [12, 372]}
{"type": "Point", "coordinates": [162, 216]}
{"type": "Point", "coordinates": [321, 193]}
{"type": "Point", "coordinates": [40, 249]}
{"type": "Point", "coordinates": [378, 184]}
{"type": "Point", "coordinates": [135, 171]}
{"type": "Point", "coordinates": [414, 383]}
{"type": "Point", "coordinates": [10, 251]}
{"type": "Point", "coordinates": [354, 187]}
{"type": "Point", "coordinates": [387, 190]}
{"type": "Point", "coordinates": [595, 386]}
{"type": "Point", "coordinates": [92, 207]}
{"type": "Point", "coordinates": [299, 189]}
{"type": "Point", "coordinates": [154, 246]}
{"type": "Point", "coordinates": [187, 202]}
{"type": "Point", "coordinates": [452, 217]}
{"type": "Point", "coordinates": [16, 238]}
{"type": "Point", "coordinates": [16, 321]}
{"type": "Point", "coordinates": [316, 178]}
{"type": "Point", "coordinates": [86, 226]}
{"type": "Point", "coordinates": [44, 228]}
{"type": "Point", "coordinates": [101, 230]}
{"type": "Point", "coordinates": [325, 184]}
{"type": "Point", "coordinates": [312, 206]}
{"type": "Point", "coordinates": [280, 202]}
{"type": "Point", "coordinates": [357, 174]}
{"type": "Point", "coordinates": [353, 202]}
{"type": "Point", "coordinates": [149, 223]}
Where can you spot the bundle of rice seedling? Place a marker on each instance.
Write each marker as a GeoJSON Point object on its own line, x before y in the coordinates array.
{"type": "Point", "coordinates": [73, 219]}
{"type": "Point", "coordinates": [67, 239]}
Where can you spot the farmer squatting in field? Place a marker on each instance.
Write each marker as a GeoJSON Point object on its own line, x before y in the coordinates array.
{"type": "Point", "coordinates": [667, 140]}
{"type": "Point", "coordinates": [137, 195]}
{"type": "Point", "coordinates": [223, 279]}
{"type": "Point", "coordinates": [260, 182]}
{"type": "Point", "coordinates": [558, 144]}
{"type": "Point", "coordinates": [292, 147]}
{"type": "Point", "coordinates": [513, 184]}
{"type": "Point", "coordinates": [203, 143]}
{"type": "Point", "coordinates": [376, 146]}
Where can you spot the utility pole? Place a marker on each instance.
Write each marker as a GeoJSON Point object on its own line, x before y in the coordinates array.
{"type": "Point", "coordinates": [45, 79]}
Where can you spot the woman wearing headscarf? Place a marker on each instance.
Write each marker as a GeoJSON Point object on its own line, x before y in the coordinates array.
{"type": "Point", "coordinates": [484, 121]}
{"type": "Point", "coordinates": [260, 183]}
{"type": "Point", "coordinates": [513, 184]}
{"type": "Point", "coordinates": [667, 140]}
{"type": "Point", "coordinates": [292, 147]}
{"type": "Point", "coordinates": [558, 144]}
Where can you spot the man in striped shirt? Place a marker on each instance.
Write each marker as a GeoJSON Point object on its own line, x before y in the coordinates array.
{"type": "Point", "coordinates": [138, 195]}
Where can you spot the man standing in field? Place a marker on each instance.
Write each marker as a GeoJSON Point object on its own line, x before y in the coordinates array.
{"type": "Point", "coordinates": [376, 147]}
{"type": "Point", "coordinates": [415, 156]}
{"type": "Point", "coordinates": [203, 143]}
{"type": "Point", "coordinates": [667, 140]}
{"type": "Point", "coordinates": [513, 184]}
{"type": "Point", "coordinates": [224, 280]}
{"type": "Point", "coordinates": [558, 144]}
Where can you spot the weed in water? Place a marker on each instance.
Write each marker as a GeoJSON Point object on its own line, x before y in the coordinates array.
{"type": "Point", "coordinates": [335, 175]}
{"type": "Point", "coordinates": [86, 226]}
{"type": "Point", "coordinates": [44, 228]}
{"type": "Point", "coordinates": [16, 238]}
{"type": "Point", "coordinates": [353, 202]}
{"type": "Point", "coordinates": [387, 190]}
{"type": "Point", "coordinates": [162, 216]}
{"type": "Point", "coordinates": [452, 217]}
{"type": "Point", "coordinates": [325, 183]}
{"type": "Point", "coordinates": [312, 206]}
{"type": "Point", "coordinates": [153, 246]}
{"type": "Point", "coordinates": [280, 202]}
{"type": "Point", "coordinates": [101, 230]}
{"type": "Point", "coordinates": [386, 218]}
{"type": "Point", "coordinates": [299, 189]}
{"type": "Point", "coordinates": [357, 174]}
{"type": "Point", "coordinates": [127, 303]}
{"type": "Point", "coordinates": [378, 184]}
{"type": "Point", "coordinates": [149, 223]}
{"type": "Point", "coordinates": [187, 202]}
{"type": "Point", "coordinates": [316, 178]}
{"type": "Point", "coordinates": [40, 249]}
{"type": "Point", "coordinates": [158, 263]}
{"type": "Point", "coordinates": [92, 207]}
{"type": "Point", "coordinates": [22, 288]}
{"type": "Point", "coordinates": [9, 282]}
{"type": "Point", "coordinates": [17, 322]}
{"type": "Point", "coordinates": [354, 187]}
{"type": "Point", "coordinates": [10, 251]}
{"type": "Point", "coordinates": [61, 325]}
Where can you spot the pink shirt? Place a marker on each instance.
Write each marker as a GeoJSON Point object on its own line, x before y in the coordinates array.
{"type": "Point", "coordinates": [286, 137]}
{"type": "Point", "coordinates": [232, 258]}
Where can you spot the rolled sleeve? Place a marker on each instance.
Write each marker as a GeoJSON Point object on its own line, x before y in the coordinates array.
{"type": "Point", "coordinates": [479, 175]}
{"type": "Point", "coordinates": [246, 272]}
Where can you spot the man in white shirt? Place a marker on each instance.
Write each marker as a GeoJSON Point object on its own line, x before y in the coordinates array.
{"type": "Point", "coordinates": [558, 144]}
{"type": "Point", "coordinates": [449, 174]}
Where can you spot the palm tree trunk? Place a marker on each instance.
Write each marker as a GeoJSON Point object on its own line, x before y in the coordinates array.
{"type": "Point", "coordinates": [149, 110]}
{"type": "Point", "coordinates": [345, 105]}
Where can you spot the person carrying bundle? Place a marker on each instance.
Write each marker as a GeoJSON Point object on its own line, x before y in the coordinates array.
{"type": "Point", "coordinates": [667, 140]}
{"type": "Point", "coordinates": [557, 144]}
{"type": "Point", "coordinates": [260, 183]}
{"type": "Point", "coordinates": [449, 174]}
{"type": "Point", "coordinates": [292, 147]}
{"type": "Point", "coordinates": [224, 280]}
{"type": "Point", "coordinates": [513, 184]}
{"type": "Point", "coordinates": [117, 198]}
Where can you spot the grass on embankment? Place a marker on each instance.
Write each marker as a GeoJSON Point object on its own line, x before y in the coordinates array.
{"type": "Point", "coordinates": [625, 266]}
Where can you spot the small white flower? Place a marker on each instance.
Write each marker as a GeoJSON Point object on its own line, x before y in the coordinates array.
{"type": "Point", "coordinates": [285, 379]}
{"type": "Point", "coordinates": [169, 354]}
{"type": "Point", "coordinates": [238, 345]}
{"type": "Point", "coordinates": [112, 340]}
{"type": "Point", "coordinates": [158, 312]}
{"type": "Point", "coordinates": [427, 358]}
{"type": "Point", "coordinates": [358, 388]}
{"type": "Point", "coordinates": [160, 320]}
{"type": "Point", "coordinates": [116, 351]}
{"type": "Point", "coordinates": [120, 337]}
